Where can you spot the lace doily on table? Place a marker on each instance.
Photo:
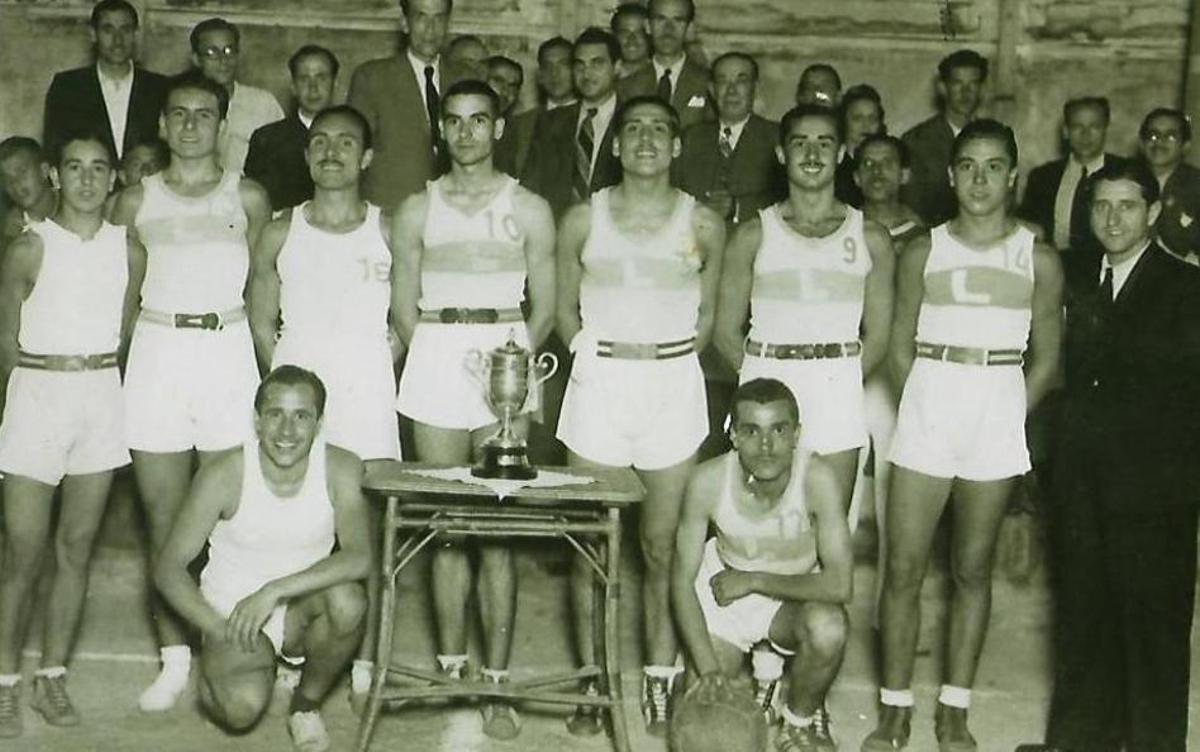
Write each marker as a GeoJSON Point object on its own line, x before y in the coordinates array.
{"type": "Point", "coordinates": [503, 487]}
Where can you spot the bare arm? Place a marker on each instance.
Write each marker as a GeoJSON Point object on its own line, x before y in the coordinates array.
{"type": "Point", "coordinates": [125, 207]}
{"type": "Point", "coordinates": [133, 288]}
{"type": "Point", "coordinates": [19, 271]}
{"type": "Point", "coordinates": [879, 297]}
{"type": "Point", "coordinates": [385, 228]}
{"type": "Point", "coordinates": [533, 214]}
{"type": "Point", "coordinates": [834, 582]}
{"type": "Point", "coordinates": [709, 230]}
{"type": "Point", "coordinates": [733, 303]}
{"type": "Point", "coordinates": [212, 497]}
{"type": "Point", "coordinates": [572, 234]}
{"type": "Point", "coordinates": [407, 247]}
{"type": "Point", "coordinates": [257, 205]}
{"type": "Point", "coordinates": [262, 299]}
{"type": "Point", "coordinates": [910, 290]}
{"type": "Point", "coordinates": [698, 506]}
{"type": "Point", "coordinates": [1046, 329]}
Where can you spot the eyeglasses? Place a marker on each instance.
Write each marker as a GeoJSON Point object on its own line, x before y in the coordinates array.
{"type": "Point", "coordinates": [212, 53]}
{"type": "Point", "coordinates": [1169, 137]}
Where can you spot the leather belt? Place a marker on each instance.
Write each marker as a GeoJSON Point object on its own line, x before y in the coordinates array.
{"type": "Point", "coordinates": [645, 350]}
{"type": "Point", "coordinates": [975, 356]}
{"type": "Point", "coordinates": [473, 315]}
{"type": "Point", "coordinates": [66, 362]}
{"type": "Point", "coordinates": [816, 351]}
{"type": "Point", "coordinates": [212, 321]}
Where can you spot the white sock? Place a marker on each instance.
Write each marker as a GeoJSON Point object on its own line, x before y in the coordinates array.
{"type": "Point", "coordinates": [955, 697]}
{"type": "Point", "coordinates": [496, 675]}
{"type": "Point", "coordinates": [451, 663]}
{"type": "Point", "coordinates": [896, 698]}
{"type": "Point", "coordinates": [360, 676]}
{"type": "Point", "coordinates": [768, 665]}
{"type": "Point", "coordinates": [10, 680]}
{"type": "Point", "coordinates": [790, 717]}
{"type": "Point", "coordinates": [51, 672]}
{"type": "Point", "coordinates": [176, 657]}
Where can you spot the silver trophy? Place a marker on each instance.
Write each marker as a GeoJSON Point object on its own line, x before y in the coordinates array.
{"type": "Point", "coordinates": [504, 374]}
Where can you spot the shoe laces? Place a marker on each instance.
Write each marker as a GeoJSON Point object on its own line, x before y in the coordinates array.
{"type": "Point", "coordinates": [655, 698]}
{"type": "Point", "coordinates": [795, 738]}
{"type": "Point", "coordinates": [307, 725]}
{"type": "Point", "coordinates": [821, 723]}
{"type": "Point", "coordinates": [54, 690]}
{"type": "Point", "coordinates": [8, 703]}
{"type": "Point", "coordinates": [764, 694]}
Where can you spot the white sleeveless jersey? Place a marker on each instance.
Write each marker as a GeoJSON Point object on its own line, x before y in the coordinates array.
{"type": "Point", "coordinates": [808, 290]}
{"type": "Point", "coordinates": [782, 541]}
{"type": "Point", "coordinates": [644, 289]}
{"type": "Point", "coordinates": [472, 260]}
{"type": "Point", "coordinates": [978, 297]}
{"type": "Point", "coordinates": [269, 537]}
{"type": "Point", "coordinates": [197, 255]}
{"type": "Point", "coordinates": [335, 284]}
{"type": "Point", "coordinates": [75, 305]}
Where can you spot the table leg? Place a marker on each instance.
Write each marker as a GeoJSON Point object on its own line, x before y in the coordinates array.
{"type": "Point", "coordinates": [387, 615]}
{"type": "Point", "coordinates": [612, 633]}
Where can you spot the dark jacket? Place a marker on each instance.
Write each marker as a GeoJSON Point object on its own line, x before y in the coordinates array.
{"type": "Point", "coordinates": [550, 168]}
{"type": "Point", "coordinates": [74, 100]}
{"type": "Point", "coordinates": [689, 97]}
{"type": "Point", "coordinates": [928, 190]}
{"type": "Point", "coordinates": [753, 176]}
{"type": "Point", "coordinates": [276, 160]}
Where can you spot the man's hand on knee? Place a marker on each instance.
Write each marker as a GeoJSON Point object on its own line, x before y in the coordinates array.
{"type": "Point", "coordinates": [249, 615]}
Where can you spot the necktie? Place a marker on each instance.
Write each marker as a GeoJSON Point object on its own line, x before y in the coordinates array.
{"type": "Point", "coordinates": [664, 86]}
{"type": "Point", "coordinates": [1106, 287]}
{"type": "Point", "coordinates": [726, 142]}
{"type": "Point", "coordinates": [432, 109]}
{"type": "Point", "coordinates": [1078, 225]}
{"type": "Point", "coordinates": [585, 141]}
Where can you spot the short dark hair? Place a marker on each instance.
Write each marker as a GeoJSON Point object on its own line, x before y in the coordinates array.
{"type": "Point", "coordinates": [290, 375]}
{"type": "Point", "coordinates": [763, 391]}
{"type": "Point", "coordinates": [112, 6]}
{"type": "Point", "coordinates": [862, 93]}
{"type": "Point", "coordinates": [346, 110]}
{"type": "Point", "coordinates": [1071, 106]}
{"type": "Point", "coordinates": [648, 99]}
{"type": "Point", "coordinates": [962, 59]}
{"type": "Point", "coordinates": [884, 138]}
{"type": "Point", "coordinates": [820, 68]}
{"type": "Point", "coordinates": [505, 60]}
{"type": "Point", "coordinates": [310, 50]}
{"type": "Point", "coordinates": [597, 35]}
{"type": "Point", "coordinates": [985, 128]}
{"type": "Point", "coordinates": [464, 39]}
{"type": "Point", "coordinates": [735, 55]}
{"type": "Point", "coordinates": [550, 44]}
{"type": "Point", "coordinates": [1123, 169]}
{"type": "Point", "coordinates": [83, 133]}
{"type": "Point", "coordinates": [14, 145]}
{"type": "Point", "coordinates": [212, 24]}
{"type": "Point", "coordinates": [161, 150]}
{"type": "Point", "coordinates": [691, 7]}
{"type": "Point", "coordinates": [1185, 122]}
{"type": "Point", "coordinates": [627, 9]}
{"type": "Point", "coordinates": [801, 111]}
{"type": "Point", "coordinates": [194, 79]}
{"type": "Point", "coordinates": [404, 6]}
{"type": "Point", "coordinates": [472, 86]}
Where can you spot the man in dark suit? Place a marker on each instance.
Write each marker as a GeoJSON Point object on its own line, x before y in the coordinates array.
{"type": "Point", "coordinates": [1123, 528]}
{"type": "Point", "coordinates": [961, 75]}
{"type": "Point", "coordinates": [399, 96]}
{"type": "Point", "coordinates": [276, 156]}
{"type": "Point", "coordinates": [1165, 137]}
{"type": "Point", "coordinates": [672, 75]}
{"type": "Point", "coordinates": [115, 95]}
{"type": "Point", "coordinates": [1054, 197]}
{"type": "Point", "coordinates": [573, 156]}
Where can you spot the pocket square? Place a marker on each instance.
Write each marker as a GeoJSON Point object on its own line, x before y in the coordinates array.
{"type": "Point", "coordinates": [697, 100]}
{"type": "Point", "coordinates": [1185, 221]}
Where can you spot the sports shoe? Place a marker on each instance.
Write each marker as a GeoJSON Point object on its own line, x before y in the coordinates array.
{"type": "Point", "coordinates": [585, 721]}
{"type": "Point", "coordinates": [822, 724]}
{"type": "Point", "coordinates": [656, 704]}
{"type": "Point", "coordinates": [793, 738]}
{"type": "Point", "coordinates": [51, 700]}
{"type": "Point", "coordinates": [360, 685]}
{"type": "Point", "coordinates": [168, 687]}
{"type": "Point", "coordinates": [308, 732]}
{"type": "Point", "coordinates": [950, 728]}
{"type": "Point", "coordinates": [892, 733]}
{"type": "Point", "coordinates": [11, 723]}
{"type": "Point", "coordinates": [765, 695]}
{"type": "Point", "coordinates": [500, 720]}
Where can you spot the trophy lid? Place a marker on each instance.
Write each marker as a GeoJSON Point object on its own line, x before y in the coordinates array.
{"type": "Point", "coordinates": [510, 349]}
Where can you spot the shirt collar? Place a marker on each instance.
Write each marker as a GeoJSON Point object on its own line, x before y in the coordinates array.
{"type": "Point", "coordinates": [118, 81]}
{"type": "Point", "coordinates": [307, 121]}
{"type": "Point", "coordinates": [1092, 166]}
{"type": "Point", "coordinates": [604, 110]}
{"type": "Point", "coordinates": [675, 67]}
{"type": "Point", "coordinates": [735, 129]}
{"type": "Point", "coordinates": [1125, 266]}
{"type": "Point", "coordinates": [418, 66]}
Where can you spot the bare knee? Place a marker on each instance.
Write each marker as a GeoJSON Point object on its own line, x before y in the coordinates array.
{"type": "Point", "coordinates": [22, 560]}
{"type": "Point", "coordinates": [237, 709]}
{"type": "Point", "coordinates": [973, 574]}
{"type": "Point", "coordinates": [346, 605]}
{"type": "Point", "coordinates": [824, 628]}
{"type": "Point", "coordinates": [73, 552]}
{"type": "Point", "coordinates": [904, 573]}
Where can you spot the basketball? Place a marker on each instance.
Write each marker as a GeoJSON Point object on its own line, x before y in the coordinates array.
{"type": "Point", "coordinates": [735, 725]}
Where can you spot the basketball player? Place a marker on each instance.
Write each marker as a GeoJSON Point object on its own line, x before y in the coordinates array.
{"type": "Point", "coordinates": [464, 250]}
{"type": "Point", "coordinates": [815, 278]}
{"type": "Point", "coordinates": [780, 568]}
{"type": "Point", "coordinates": [64, 287]}
{"type": "Point", "coordinates": [638, 275]}
{"type": "Point", "coordinates": [191, 373]}
{"type": "Point", "coordinates": [271, 511]}
{"type": "Point", "coordinates": [974, 295]}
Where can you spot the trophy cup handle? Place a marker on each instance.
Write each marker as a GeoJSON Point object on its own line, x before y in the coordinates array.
{"type": "Point", "coordinates": [546, 362]}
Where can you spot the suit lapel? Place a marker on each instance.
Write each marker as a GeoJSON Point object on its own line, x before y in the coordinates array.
{"type": "Point", "coordinates": [410, 87]}
{"type": "Point", "coordinates": [93, 92]}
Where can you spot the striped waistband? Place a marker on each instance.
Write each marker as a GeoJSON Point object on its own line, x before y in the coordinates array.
{"type": "Point", "coordinates": [37, 362]}
{"type": "Point", "coordinates": [975, 356]}
{"type": "Point", "coordinates": [814, 351]}
{"type": "Point", "coordinates": [645, 350]}
{"type": "Point", "coordinates": [472, 315]}
{"type": "Point", "coordinates": [212, 320]}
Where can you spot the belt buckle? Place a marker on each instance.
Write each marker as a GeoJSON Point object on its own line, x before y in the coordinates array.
{"type": "Point", "coordinates": [485, 316]}
{"type": "Point", "coordinates": [828, 350]}
{"type": "Point", "coordinates": [74, 362]}
{"type": "Point", "coordinates": [450, 315]}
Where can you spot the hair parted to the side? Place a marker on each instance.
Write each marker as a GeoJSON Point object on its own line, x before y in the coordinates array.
{"type": "Point", "coordinates": [290, 375]}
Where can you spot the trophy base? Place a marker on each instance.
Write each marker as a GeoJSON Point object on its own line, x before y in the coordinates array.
{"type": "Point", "coordinates": [502, 464]}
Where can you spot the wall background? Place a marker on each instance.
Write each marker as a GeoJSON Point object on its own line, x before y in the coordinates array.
{"type": "Point", "coordinates": [1042, 51]}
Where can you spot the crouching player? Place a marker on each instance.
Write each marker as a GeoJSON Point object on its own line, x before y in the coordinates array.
{"type": "Point", "coordinates": [271, 511]}
{"type": "Point", "coordinates": [779, 568]}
